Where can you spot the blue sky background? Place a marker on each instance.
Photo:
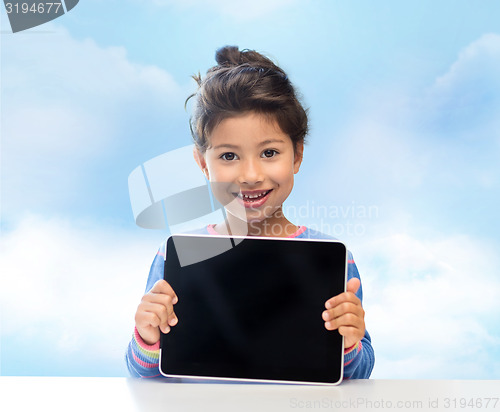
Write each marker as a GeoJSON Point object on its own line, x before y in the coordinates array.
{"type": "Point", "coordinates": [404, 153]}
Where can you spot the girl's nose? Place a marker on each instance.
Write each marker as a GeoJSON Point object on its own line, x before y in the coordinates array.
{"type": "Point", "coordinates": [250, 172]}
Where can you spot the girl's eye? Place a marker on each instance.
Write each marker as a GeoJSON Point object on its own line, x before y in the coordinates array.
{"type": "Point", "coordinates": [269, 153]}
{"type": "Point", "coordinates": [228, 156]}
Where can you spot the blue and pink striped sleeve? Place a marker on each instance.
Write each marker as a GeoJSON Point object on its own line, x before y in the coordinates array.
{"type": "Point", "coordinates": [359, 359]}
{"type": "Point", "coordinates": [142, 359]}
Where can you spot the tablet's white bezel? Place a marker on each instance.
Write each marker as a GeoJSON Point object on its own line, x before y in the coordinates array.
{"type": "Point", "coordinates": [194, 377]}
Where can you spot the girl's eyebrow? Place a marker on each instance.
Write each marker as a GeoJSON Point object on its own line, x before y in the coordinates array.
{"type": "Point", "coordinates": [225, 145]}
{"type": "Point", "coordinates": [271, 141]}
{"type": "Point", "coordinates": [233, 146]}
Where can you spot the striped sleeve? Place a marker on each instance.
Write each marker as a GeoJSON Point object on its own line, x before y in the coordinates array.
{"type": "Point", "coordinates": [141, 358]}
{"type": "Point", "coordinates": [359, 359]}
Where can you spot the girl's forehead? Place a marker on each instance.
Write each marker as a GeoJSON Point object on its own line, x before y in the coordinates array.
{"type": "Point", "coordinates": [250, 128]}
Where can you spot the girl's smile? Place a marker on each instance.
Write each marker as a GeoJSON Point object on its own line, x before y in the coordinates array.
{"type": "Point", "coordinates": [251, 160]}
{"type": "Point", "coordinates": [253, 199]}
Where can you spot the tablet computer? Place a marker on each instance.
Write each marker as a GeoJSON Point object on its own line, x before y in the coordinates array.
{"type": "Point", "coordinates": [251, 309]}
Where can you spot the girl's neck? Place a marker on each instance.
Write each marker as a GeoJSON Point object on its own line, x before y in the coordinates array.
{"type": "Point", "coordinates": [276, 225]}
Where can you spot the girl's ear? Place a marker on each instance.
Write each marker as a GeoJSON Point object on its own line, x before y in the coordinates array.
{"type": "Point", "coordinates": [200, 161]}
{"type": "Point", "coordinates": [299, 152]}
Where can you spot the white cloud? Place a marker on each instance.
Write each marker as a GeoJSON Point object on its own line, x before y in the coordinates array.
{"type": "Point", "coordinates": [460, 114]}
{"type": "Point", "coordinates": [77, 78]}
{"type": "Point", "coordinates": [464, 102]}
{"type": "Point", "coordinates": [431, 305]}
{"type": "Point", "coordinates": [421, 153]}
{"type": "Point", "coordinates": [73, 288]}
{"type": "Point", "coordinates": [65, 102]}
{"type": "Point", "coordinates": [474, 75]}
{"type": "Point", "coordinates": [233, 9]}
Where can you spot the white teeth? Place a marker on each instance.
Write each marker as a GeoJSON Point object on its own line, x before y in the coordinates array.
{"type": "Point", "coordinates": [255, 196]}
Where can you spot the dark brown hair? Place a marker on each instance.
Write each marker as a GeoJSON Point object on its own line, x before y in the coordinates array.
{"type": "Point", "coordinates": [245, 81]}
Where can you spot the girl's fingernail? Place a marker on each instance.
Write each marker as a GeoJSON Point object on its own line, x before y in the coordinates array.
{"type": "Point", "coordinates": [173, 322]}
{"type": "Point", "coordinates": [175, 300]}
{"type": "Point", "coordinates": [167, 329]}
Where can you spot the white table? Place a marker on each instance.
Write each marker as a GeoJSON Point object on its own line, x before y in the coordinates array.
{"type": "Point", "coordinates": [124, 394]}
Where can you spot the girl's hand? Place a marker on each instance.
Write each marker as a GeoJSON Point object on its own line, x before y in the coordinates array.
{"type": "Point", "coordinates": [155, 312]}
{"type": "Point", "coordinates": [345, 313]}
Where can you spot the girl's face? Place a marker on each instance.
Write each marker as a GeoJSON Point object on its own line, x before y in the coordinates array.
{"type": "Point", "coordinates": [251, 165]}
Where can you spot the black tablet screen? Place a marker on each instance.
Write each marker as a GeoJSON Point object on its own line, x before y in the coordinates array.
{"type": "Point", "coordinates": [254, 310]}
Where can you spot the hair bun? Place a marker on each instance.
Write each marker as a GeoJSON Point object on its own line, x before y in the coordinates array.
{"type": "Point", "coordinates": [228, 56]}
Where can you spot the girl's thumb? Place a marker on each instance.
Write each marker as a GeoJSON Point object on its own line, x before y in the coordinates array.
{"type": "Point", "coordinates": [353, 285]}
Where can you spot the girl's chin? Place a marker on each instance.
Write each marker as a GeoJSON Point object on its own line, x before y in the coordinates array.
{"type": "Point", "coordinates": [251, 217]}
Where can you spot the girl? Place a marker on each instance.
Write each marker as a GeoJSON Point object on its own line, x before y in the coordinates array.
{"type": "Point", "coordinates": [249, 130]}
